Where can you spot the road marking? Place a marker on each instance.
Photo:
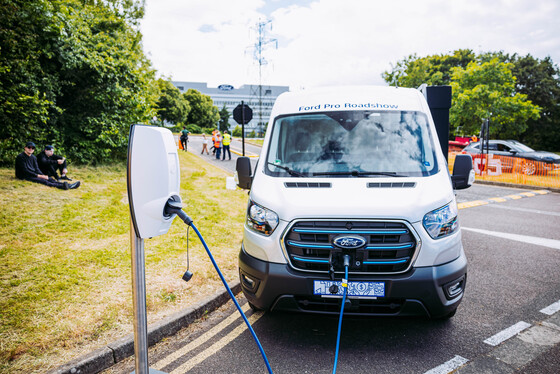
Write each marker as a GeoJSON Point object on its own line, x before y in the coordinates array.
{"type": "Point", "coordinates": [507, 333]}
{"type": "Point", "coordinates": [551, 309]}
{"type": "Point", "coordinates": [544, 242]}
{"type": "Point", "coordinates": [471, 204]}
{"type": "Point", "coordinates": [525, 210]}
{"type": "Point", "coordinates": [247, 154]}
{"type": "Point", "coordinates": [498, 199]}
{"type": "Point", "coordinates": [201, 339]}
{"type": "Point", "coordinates": [216, 347]}
{"type": "Point", "coordinates": [449, 366]}
{"type": "Point", "coordinates": [514, 197]}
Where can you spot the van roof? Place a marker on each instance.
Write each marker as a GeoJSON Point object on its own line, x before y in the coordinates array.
{"type": "Point", "coordinates": [349, 98]}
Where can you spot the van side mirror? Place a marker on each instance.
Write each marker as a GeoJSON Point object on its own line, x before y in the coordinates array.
{"type": "Point", "coordinates": [244, 175]}
{"type": "Point", "coordinates": [463, 173]}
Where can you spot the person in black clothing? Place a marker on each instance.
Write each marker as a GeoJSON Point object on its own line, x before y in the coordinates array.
{"type": "Point", "coordinates": [28, 169]}
{"type": "Point", "coordinates": [51, 164]}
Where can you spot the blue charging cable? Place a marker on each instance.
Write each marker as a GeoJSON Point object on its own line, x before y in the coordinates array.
{"type": "Point", "coordinates": [345, 291]}
{"type": "Point", "coordinates": [175, 207]}
{"type": "Point", "coordinates": [233, 297]}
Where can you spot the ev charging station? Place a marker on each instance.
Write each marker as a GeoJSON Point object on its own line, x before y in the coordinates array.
{"type": "Point", "coordinates": [153, 182]}
{"type": "Point", "coordinates": [152, 179]}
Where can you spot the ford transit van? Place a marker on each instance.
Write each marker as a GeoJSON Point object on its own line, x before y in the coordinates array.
{"type": "Point", "coordinates": [353, 172]}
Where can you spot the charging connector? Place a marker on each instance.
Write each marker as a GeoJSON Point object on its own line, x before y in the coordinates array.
{"type": "Point", "coordinates": [176, 207]}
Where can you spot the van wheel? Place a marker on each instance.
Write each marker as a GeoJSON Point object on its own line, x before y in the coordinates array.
{"type": "Point", "coordinates": [448, 315]}
{"type": "Point", "coordinates": [253, 307]}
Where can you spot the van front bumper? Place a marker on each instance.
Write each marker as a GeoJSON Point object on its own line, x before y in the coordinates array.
{"type": "Point", "coordinates": [418, 292]}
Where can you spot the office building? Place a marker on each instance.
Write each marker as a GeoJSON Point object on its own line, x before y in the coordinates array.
{"type": "Point", "coordinates": [259, 98]}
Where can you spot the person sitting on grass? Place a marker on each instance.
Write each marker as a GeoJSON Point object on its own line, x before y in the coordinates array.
{"type": "Point", "coordinates": [28, 169]}
{"type": "Point", "coordinates": [50, 164]}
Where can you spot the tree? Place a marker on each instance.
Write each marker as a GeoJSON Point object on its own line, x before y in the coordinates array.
{"type": "Point", "coordinates": [413, 71]}
{"type": "Point", "coordinates": [487, 90]}
{"type": "Point", "coordinates": [237, 131]}
{"type": "Point", "coordinates": [107, 83]}
{"type": "Point", "coordinates": [27, 89]}
{"type": "Point", "coordinates": [203, 111]}
{"type": "Point", "coordinates": [224, 119]}
{"type": "Point", "coordinates": [74, 74]}
{"type": "Point", "coordinates": [171, 105]}
{"type": "Point", "coordinates": [540, 81]}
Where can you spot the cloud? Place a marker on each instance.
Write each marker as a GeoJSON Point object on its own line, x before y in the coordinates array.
{"type": "Point", "coordinates": [330, 42]}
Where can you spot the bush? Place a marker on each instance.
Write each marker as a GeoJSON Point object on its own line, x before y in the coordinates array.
{"type": "Point", "coordinates": [195, 129]}
{"type": "Point", "coordinates": [237, 131]}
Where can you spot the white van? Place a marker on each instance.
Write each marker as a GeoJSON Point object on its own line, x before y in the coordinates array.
{"type": "Point", "coordinates": [355, 171]}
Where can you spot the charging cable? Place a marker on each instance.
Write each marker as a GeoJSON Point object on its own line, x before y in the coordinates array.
{"type": "Point", "coordinates": [175, 207]}
{"type": "Point", "coordinates": [345, 291]}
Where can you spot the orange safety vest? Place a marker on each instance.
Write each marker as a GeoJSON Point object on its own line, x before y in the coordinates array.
{"type": "Point", "coordinates": [217, 141]}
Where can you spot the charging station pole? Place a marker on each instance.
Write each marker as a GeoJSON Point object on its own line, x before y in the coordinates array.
{"type": "Point", "coordinates": [139, 302]}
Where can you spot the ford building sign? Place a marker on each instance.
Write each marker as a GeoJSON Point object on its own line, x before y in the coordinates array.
{"type": "Point", "coordinates": [225, 87]}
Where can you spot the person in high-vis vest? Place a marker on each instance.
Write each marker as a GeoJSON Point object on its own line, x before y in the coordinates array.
{"type": "Point", "coordinates": [226, 141]}
{"type": "Point", "coordinates": [217, 144]}
{"type": "Point", "coordinates": [213, 141]}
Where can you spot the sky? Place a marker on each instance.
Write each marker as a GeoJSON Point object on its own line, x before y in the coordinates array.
{"type": "Point", "coordinates": [317, 43]}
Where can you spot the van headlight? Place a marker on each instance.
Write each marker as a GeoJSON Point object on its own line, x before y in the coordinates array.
{"type": "Point", "coordinates": [260, 219]}
{"type": "Point", "coordinates": [441, 222]}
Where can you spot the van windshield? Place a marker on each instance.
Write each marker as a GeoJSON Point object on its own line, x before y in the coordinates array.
{"type": "Point", "coordinates": [352, 144]}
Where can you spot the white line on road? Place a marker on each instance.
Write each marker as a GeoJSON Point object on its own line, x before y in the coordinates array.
{"type": "Point", "coordinates": [536, 211]}
{"type": "Point", "coordinates": [507, 333]}
{"type": "Point", "coordinates": [551, 309]}
{"type": "Point", "coordinates": [216, 347]}
{"type": "Point", "coordinates": [451, 365]}
{"type": "Point", "coordinates": [551, 243]}
{"type": "Point", "coordinates": [201, 339]}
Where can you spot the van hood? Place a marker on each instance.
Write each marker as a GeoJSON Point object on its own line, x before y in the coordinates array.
{"type": "Point", "coordinates": [385, 198]}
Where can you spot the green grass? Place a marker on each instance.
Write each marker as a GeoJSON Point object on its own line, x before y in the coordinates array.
{"type": "Point", "coordinates": [65, 277]}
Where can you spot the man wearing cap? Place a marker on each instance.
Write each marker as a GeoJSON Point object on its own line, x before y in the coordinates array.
{"type": "Point", "coordinates": [28, 169]}
{"type": "Point", "coordinates": [49, 163]}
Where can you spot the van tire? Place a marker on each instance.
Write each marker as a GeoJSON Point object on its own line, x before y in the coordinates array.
{"type": "Point", "coordinates": [253, 307]}
{"type": "Point", "coordinates": [448, 315]}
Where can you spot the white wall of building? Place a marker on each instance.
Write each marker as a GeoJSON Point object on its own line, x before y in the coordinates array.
{"type": "Point", "coordinates": [260, 99]}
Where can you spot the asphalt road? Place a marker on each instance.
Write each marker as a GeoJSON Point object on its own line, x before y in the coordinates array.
{"type": "Point", "coordinates": [194, 146]}
{"type": "Point", "coordinates": [513, 249]}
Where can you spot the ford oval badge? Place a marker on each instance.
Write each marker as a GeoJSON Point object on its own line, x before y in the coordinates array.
{"type": "Point", "coordinates": [225, 87]}
{"type": "Point", "coordinates": [349, 241]}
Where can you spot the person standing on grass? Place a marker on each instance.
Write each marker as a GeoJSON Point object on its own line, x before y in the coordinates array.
{"type": "Point", "coordinates": [226, 141]}
{"type": "Point", "coordinates": [28, 169]}
{"type": "Point", "coordinates": [50, 164]}
{"type": "Point", "coordinates": [204, 145]}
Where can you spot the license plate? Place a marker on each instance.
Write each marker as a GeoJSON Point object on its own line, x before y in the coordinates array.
{"type": "Point", "coordinates": [359, 289]}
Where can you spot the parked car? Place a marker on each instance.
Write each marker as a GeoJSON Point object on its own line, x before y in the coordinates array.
{"type": "Point", "coordinates": [517, 157]}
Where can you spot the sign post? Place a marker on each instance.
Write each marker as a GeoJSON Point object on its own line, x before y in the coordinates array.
{"type": "Point", "coordinates": [242, 114]}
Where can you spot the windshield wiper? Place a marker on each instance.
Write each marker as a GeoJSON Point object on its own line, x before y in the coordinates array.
{"type": "Point", "coordinates": [356, 173]}
{"type": "Point", "coordinates": [290, 171]}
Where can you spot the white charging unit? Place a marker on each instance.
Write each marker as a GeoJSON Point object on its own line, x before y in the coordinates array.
{"type": "Point", "coordinates": [152, 179]}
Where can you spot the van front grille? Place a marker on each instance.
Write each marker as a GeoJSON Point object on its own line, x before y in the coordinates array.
{"type": "Point", "coordinates": [383, 246]}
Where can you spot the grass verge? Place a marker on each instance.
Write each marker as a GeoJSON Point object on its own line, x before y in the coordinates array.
{"type": "Point", "coordinates": [65, 277]}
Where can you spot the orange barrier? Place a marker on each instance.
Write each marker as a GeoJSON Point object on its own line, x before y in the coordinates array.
{"type": "Point", "coordinates": [515, 170]}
